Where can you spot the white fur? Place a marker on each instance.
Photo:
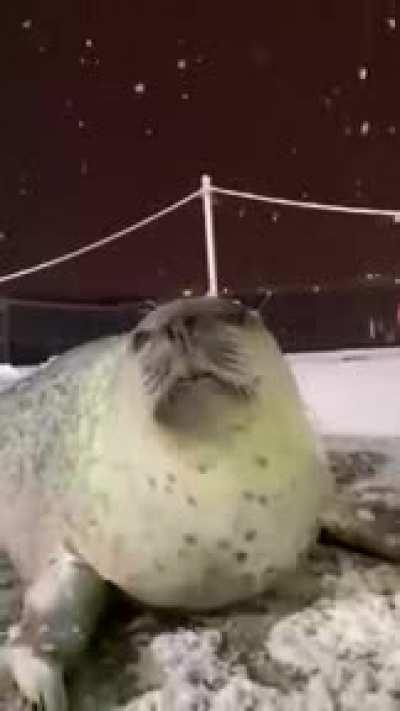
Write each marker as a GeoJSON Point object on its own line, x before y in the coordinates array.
{"type": "Point", "coordinates": [40, 682]}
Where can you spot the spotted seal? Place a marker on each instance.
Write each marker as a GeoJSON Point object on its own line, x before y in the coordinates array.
{"type": "Point", "coordinates": [175, 461]}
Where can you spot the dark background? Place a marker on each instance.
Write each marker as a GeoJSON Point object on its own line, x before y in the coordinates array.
{"type": "Point", "coordinates": [110, 110]}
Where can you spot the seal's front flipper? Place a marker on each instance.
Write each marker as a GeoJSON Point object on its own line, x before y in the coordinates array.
{"type": "Point", "coordinates": [59, 614]}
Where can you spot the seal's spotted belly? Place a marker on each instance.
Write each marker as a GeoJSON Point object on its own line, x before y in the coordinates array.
{"type": "Point", "coordinates": [204, 528]}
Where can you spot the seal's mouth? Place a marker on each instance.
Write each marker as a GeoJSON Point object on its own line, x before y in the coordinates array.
{"type": "Point", "coordinates": [193, 394]}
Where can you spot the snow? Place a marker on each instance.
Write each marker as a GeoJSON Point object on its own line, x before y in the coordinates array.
{"type": "Point", "coordinates": [365, 128]}
{"type": "Point", "coordinates": [336, 649]}
{"type": "Point", "coordinates": [352, 392]}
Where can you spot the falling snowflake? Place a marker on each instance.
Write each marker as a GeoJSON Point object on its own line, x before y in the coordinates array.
{"type": "Point", "coordinates": [181, 64]}
{"type": "Point", "coordinates": [275, 216]}
{"type": "Point", "coordinates": [185, 96]}
{"type": "Point", "coordinates": [149, 131]}
{"type": "Point", "coordinates": [27, 24]}
{"type": "Point", "coordinates": [363, 72]}
{"type": "Point", "coordinates": [3, 236]}
{"type": "Point", "coordinates": [81, 123]}
{"type": "Point", "coordinates": [391, 130]}
{"type": "Point", "coordinates": [139, 87]}
{"type": "Point", "coordinates": [84, 167]}
{"type": "Point", "coordinates": [365, 128]}
{"type": "Point", "coordinates": [187, 292]}
{"type": "Point", "coordinates": [391, 22]}
{"type": "Point", "coordinates": [89, 43]}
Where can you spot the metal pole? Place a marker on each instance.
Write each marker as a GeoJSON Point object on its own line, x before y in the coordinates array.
{"type": "Point", "coordinates": [210, 236]}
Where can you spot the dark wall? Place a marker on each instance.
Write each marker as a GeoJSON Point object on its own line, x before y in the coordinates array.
{"type": "Point", "coordinates": [300, 322]}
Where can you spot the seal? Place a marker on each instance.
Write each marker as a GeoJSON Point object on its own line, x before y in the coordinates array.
{"type": "Point", "coordinates": [175, 461]}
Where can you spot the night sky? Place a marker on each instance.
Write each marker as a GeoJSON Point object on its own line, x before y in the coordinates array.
{"type": "Point", "coordinates": [111, 110]}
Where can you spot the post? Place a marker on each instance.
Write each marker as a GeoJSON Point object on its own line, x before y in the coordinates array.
{"type": "Point", "coordinates": [4, 332]}
{"type": "Point", "coordinates": [210, 236]}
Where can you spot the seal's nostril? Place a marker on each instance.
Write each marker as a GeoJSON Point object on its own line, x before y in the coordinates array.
{"type": "Point", "coordinates": [190, 323]}
{"type": "Point", "coordinates": [170, 333]}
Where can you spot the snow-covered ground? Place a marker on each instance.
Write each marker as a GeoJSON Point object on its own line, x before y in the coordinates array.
{"type": "Point", "coordinates": [339, 650]}
{"type": "Point", "coordinates": [352, 392]}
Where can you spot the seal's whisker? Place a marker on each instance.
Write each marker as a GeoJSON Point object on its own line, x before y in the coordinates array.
{"type": "Point", "coordinates": [152, 381]}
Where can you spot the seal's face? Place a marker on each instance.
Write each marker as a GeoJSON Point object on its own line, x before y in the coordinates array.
{"type": "Point", "coordinates": [195, 346]}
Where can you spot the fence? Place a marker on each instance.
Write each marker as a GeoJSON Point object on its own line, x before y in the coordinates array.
{"type": "Point", "coordinates": [206, 192]}
{"type": "Point", "coordinates": [30, 331]}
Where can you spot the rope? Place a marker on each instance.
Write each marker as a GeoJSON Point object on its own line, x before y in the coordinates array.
{"type": "Point", "coordinates": [306, 205]}
{"type": "Point", "coordinates": [99, 243]}
{"type": "Point", "coordinates": [180, 203]}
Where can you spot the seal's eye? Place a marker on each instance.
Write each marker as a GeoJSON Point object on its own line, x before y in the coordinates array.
{"type": "Point", "coordinates": [236, 318]}
{"type": "Point", "coordinates": [140, 338]}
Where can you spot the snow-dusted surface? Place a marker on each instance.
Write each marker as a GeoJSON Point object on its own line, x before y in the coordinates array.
{"type": "Point", "coordinates": [331, 641]}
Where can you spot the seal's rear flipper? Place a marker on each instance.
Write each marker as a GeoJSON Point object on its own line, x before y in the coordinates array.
{"type": "Point", "coordinates": [59, 614]}
{"type": "Point", "coordinates": [366, 524]}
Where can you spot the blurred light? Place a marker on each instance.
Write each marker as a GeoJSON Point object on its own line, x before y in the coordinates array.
{"type": "Point", "coordinates": [363, 72]}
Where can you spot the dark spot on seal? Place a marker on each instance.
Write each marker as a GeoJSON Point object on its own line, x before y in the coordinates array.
{"type": "Point", "coordinates": [241, 556]}
{"type": "Point", "coordinates": [171, 477]}
{"type": "Point", "coordinates": [269, 570]}
{"type": "Point", "coordinates": [202, 468]}
{"type": "Point", "coordinates": [168, 489]}
{"type": "Point", "coordinates": [190, 539]}
{"type": "Point", "coordinates": [237, 427]}
{"type": "Point", "coordinates": [223, 544]}
{"type": "Point", "coordinates": [151, 481]}
{"type": "Point", "coordinates": [263, 500]}
{"type": "Point", "coordinates": [159, 566]}
{"type": "Point", "coordinates": [261, 461]}
{"type": "Point", "coordinates": [191, 501]}
{"type": "Point", "coordinates": [250, 535]}
{"type": "Point", "coordinates": [248, 495]}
